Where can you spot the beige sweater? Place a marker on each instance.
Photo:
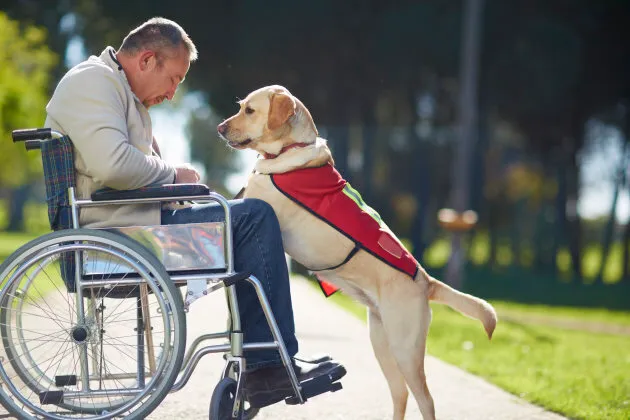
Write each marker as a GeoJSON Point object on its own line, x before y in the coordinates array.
{"type": "Point", "coordinates": [111, 132]}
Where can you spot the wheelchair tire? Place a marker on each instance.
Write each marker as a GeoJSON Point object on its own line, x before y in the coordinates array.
{"type": "Point", "coordinates": [250, 412]}
{"type": "Point", "coordinates": [222, 401]}
{"type": "Point", "coordinates": [40, 380]}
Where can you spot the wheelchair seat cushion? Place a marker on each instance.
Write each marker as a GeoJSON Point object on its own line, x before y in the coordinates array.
{"type": "Point", "coordinates": [152, 191]}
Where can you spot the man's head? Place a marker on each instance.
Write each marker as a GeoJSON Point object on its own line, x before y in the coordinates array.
{"type": "Point", "coordinates": [156, 57]}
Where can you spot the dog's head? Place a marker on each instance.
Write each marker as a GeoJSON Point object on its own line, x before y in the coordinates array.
{"type": "Point", "coordinates": [269, 120]}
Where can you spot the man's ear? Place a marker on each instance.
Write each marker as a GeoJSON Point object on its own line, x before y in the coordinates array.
{"type": "Point", "coordinates": [281, 108]}
{"type": "Point", "coordinates": [148, 60]}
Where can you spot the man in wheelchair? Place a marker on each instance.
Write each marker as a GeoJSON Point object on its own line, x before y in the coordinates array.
{"type": "Point", "coordinates": [102, 105]}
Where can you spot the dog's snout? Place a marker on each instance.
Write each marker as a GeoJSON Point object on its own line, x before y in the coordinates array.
{"type": "Point", "coordinates": [222, 128]}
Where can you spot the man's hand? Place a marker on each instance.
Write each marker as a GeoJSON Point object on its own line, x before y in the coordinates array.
{"type": "Point", "coordinates": [186, 174]}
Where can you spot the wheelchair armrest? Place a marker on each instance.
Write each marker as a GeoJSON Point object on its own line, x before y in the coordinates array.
{"type": "Point", "coordinates": [157, 191]}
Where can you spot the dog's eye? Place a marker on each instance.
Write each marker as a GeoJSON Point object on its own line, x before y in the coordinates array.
{"type": "Point", "coordinates": [249, 110]}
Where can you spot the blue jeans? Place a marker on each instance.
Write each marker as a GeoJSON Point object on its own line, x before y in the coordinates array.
{"type": "Point", "coordinates": [257, 250]}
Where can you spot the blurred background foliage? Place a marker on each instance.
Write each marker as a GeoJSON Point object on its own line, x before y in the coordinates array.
{"type": "Point", "coordinates": [549, 168]}
{"type": "Point", "coordinates": [25, 65]}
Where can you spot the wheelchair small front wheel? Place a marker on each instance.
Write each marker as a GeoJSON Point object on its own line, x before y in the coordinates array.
{"type": "Point", "coordinates": [250, 412]}
{"type": "Point", "coordinates": [222, 401]}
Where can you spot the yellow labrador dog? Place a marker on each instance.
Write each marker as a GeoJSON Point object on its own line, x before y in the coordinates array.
{"type": "Point", "coordinates": [375, 269]}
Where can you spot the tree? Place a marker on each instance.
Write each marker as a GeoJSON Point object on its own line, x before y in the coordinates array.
{"type": "Point", "coordinates": [25, 63]}
{"type": "Point", "coordinates": [547, 67]}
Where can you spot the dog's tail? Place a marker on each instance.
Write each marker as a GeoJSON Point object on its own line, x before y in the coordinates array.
{"type": "Point", "coordinates": [468, 305]}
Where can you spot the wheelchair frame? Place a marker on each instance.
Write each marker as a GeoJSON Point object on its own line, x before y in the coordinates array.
{"type": "Point", "coordinates": [235, 361]}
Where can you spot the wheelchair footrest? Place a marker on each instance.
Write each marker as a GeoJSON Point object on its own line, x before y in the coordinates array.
{"type": "Point", "coordinates": [51, 397]}
{"type": "Point", "coordinates": [314, 359]}
{"type": "Point", "coordinates": [314, 387]}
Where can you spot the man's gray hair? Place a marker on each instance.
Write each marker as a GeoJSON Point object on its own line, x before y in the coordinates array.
{"type": "Point", "coordinates": [160, 35]}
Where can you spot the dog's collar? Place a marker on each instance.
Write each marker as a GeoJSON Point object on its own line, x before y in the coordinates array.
{"type": "Point", "coordinates": [284, 149]}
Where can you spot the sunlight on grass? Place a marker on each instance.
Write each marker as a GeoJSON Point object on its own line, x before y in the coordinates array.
{"type": "Point", "coordinates": [613, 270]}
{"type": "Point", "coordinates": [591, 259]}
{"type": "Point", "coordinates": [35, 217]}
{"type": "Point", "coordinates": [10, 241]}
{"type": "Point", "coordinates": [579, 374]}
{"type": "Point", "coordinates": [438, 252]}
{"type": "Point", "coordinates": [565, 312]}
{"type": "Point", "coordinates": [563, 260]}
{"type": "Point", "coordinates": [527, 255]}
{"type": "Point", "coordinates": [480, 248]}
{"type": "Point", "coordinates": [504, 255]}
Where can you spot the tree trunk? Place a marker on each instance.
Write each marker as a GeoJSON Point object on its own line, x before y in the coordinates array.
{"type": "Point", "coordinates": [574, 231]}
{"type": "Point", "coordinates": [16, 203]}
{"type": "Point", "coordinates": [467, 124]}
{"type": "Point", "coordinates": [422, 194]}
{"type": "Point", "coordinates": [610, 225]}
{"type": "Point", "coordinates": [626, 253]}
{"type": "Point", "coordinates": [573, 144]}
{"type": "Point", "coordinates": [625, 168]}
{"type": "Point", "coordinates": [544, 239]}
{"type": "Point", "coordinates": [492, 214]}
{"type": "Point", "coordinates": [368, 133]}
{"type": "Point", "coordinates": [516, 238]}
{"type": "Point", "coordinates": [339, 143]}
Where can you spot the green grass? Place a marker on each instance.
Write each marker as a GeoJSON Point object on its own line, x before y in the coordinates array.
{"type": "Point", "coordinates": [603, 316]}
{"type": "Point", "coordinates": [10, 241]}
{"type": "Point", "coordinates": [36, 223]}
{"type": "Point", "coordinates": [35, 217]}
{"type": "Point", "coordinates": [438, 253]}
{"type": "Point", "coordinates": [579, 374]}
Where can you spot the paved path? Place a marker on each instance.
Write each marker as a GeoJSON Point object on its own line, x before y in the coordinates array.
{"type": "Point", "coordinates": [324, 327]}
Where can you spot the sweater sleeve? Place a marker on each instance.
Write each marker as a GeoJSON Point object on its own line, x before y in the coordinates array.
{"type": "Point", "coordinates": [89, 106]}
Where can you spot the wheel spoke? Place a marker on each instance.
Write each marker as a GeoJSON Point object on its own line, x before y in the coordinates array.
{"type": "Point", "coordinates": [44, 334]}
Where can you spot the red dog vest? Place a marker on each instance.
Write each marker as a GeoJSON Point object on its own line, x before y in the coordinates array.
{"type": "Point", "coordinates": [325, 194]}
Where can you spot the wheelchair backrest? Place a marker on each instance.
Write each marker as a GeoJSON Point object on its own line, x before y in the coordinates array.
{"type": "Point", "coordinates": [58, 162]}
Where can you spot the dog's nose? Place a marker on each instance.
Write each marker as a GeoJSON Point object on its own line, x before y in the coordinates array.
{"type": "Point", "coordinates": [222, 128]}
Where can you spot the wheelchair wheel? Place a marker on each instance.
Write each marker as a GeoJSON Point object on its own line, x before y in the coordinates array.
{"type": "Point", "coordinates": [93, 357]}
{"type": "Point", "coordinates": [248, 412]}
{"type": "Point", "coordinates": [222, 401]}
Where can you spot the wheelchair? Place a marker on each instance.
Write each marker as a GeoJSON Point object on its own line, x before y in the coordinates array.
{"type": "Point", "coordinates": [93, 321]}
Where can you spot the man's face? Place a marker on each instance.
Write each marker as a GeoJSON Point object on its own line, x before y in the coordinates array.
{"type": "Point", "coordinates": [160, 76]}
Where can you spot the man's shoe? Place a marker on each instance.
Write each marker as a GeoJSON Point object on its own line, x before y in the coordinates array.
{"type": "Point", "coordinates": [266, 386]}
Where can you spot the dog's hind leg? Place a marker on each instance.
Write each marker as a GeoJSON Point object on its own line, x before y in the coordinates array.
{"type": "Point", "coordinates": [389, 366]}
{"type": "Point", "coordinates": [406, 322]}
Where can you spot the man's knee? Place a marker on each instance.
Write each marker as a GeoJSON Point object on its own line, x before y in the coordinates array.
{"type": "Point", "coordinates": [260, 210]}
{"type": "Point", "coordinates": [259, 207]}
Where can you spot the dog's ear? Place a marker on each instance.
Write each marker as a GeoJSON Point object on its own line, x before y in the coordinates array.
{"type": "Point", "coordinates": [281, 108]}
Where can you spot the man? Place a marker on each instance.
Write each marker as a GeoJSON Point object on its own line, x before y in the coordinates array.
{"type": "Point", "coordinates": [102, 105]}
